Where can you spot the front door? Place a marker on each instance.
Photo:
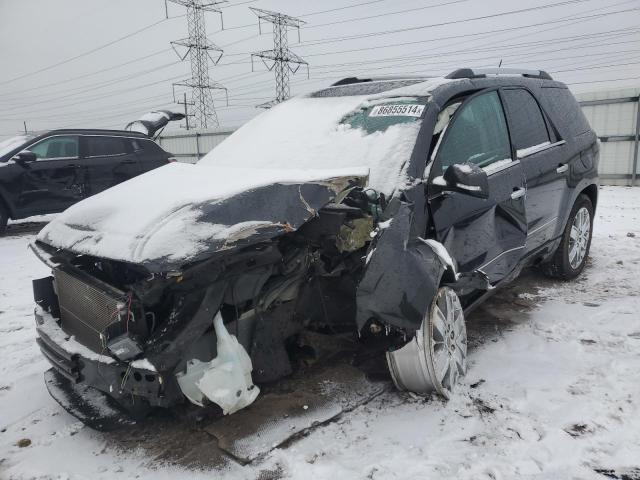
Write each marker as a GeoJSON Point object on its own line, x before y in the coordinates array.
{"type": "Point", "coordinates": [481, 234]}
{"type": "Point", "coordinates": [55, 180]}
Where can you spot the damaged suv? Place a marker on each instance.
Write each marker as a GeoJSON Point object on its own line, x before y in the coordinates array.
{"type": "Point", "coordinates": [388, 208]}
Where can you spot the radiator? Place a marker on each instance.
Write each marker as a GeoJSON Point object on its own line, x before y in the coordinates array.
{"type": "Point", "coordinates": [90, 310]}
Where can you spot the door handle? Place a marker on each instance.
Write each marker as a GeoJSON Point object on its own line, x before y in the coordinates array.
{"type": "Point", "coordinates": [518, 192]}
{"type": "Point", "coordinates": [562, 168]}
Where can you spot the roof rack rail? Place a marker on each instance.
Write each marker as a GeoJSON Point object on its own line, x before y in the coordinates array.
{"type": "Point", "coordinates": [374, 78]}
{"type": "Point", "coordinates": [483, 72]}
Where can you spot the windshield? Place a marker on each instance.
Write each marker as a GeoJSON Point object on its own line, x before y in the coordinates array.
{"type": "Point", "coordinates": [12, 143]}
{"type": "Point", "coordinates": [326, 133]}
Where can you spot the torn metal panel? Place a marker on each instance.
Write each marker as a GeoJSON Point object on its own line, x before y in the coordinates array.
{"type": "Point", "coordinates": [401, 277]}
{"type": "Point", "coordinates": [187, 231]}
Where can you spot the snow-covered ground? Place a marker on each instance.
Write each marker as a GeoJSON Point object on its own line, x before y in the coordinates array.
{"type": "Point", "coordinates": [553, 388]}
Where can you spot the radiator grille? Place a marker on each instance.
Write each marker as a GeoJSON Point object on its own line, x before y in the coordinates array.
{"type": "Point", "coordinates": [87, 308]}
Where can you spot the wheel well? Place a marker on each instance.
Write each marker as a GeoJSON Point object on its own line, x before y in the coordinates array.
{"type": "Point", "coordinates": [592, 192]}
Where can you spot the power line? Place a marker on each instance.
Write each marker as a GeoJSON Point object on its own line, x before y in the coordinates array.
{"type": "Point", "coordinates": [84, 54]}
{"type": "Point", "coordinates": [602, 81]}
{"type": "Point", "coordinates": [486, 32]}
{"type": "Point", "coordinates": [385, 14]}
{"type": "Point", "coordinates": [342, 51]}
{"type": "Point", "coordinates": [113, 67]}
{"type": "Point", "coordinates": [441, 24]}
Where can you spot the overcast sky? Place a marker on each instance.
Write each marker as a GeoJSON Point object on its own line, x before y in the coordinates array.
{"type": "Point", "coordinates": [580, 42]}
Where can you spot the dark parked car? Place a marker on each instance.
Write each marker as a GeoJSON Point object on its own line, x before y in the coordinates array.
{"type": "Point", "coordinates": [48, 172]}
{"type": "Point", "coordinates": [387, 208]}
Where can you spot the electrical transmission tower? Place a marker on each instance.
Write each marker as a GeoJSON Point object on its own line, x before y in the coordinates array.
{"type": "Point", "coordinates": [200, 49]}
{"type": "Point", "coordinates": [280, 55]}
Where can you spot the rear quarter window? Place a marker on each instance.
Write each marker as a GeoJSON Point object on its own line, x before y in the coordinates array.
{"type": "Point", "coordinates": [148, 147]}
{"type": "Point", "coordinates": [565, 111]}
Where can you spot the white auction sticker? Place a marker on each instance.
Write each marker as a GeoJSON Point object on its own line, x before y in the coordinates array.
{"type": "Point", "coordinates": [400, 110]}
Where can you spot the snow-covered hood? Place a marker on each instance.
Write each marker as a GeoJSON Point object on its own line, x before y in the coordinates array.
{"type": "Point", "coordinates": [182, 213]}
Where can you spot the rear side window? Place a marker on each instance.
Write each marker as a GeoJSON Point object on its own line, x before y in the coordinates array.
{"type": "Point", "coordinates": [565, 111]}
{"type": "Point", "coordinates": [528, 127]}
{"type": "Point", "coordinates": [56, 147]}
{"type": "Point", "coordinates": [105, 146]}
{"type": "Point", "coordinates": [147, 146]}
{"type": "Point", "coordinates": [478, 134]}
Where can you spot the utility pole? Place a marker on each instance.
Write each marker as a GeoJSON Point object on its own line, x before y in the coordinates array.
{"type": "Point", "coordinates": [280, 55]}
{"type": "Point", "coordinates": [186, 111]}
{"type": "Point", "coordinates": [199, 49]}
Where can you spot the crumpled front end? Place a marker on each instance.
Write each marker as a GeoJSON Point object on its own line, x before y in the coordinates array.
{"type": "Point", "coordinates": [208, 331]}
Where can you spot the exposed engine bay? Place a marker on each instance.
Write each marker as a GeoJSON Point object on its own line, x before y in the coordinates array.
{"type": "Point", "coordinates": [212, 329]}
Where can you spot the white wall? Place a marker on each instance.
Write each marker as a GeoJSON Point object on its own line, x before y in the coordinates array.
{"type": "Point", "coordinates": [190, 146]}
{"type": "Point", "coordinates": [614, 120]}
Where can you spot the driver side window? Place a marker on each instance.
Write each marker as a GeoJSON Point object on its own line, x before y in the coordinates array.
{"type": "Point", "coordinates": [477, 135]}
{"type": "Point", "coordinates": [56, 147]}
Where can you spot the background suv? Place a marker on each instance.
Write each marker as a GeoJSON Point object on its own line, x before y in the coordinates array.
{"type": "Point", "coordinates": [47, 172]}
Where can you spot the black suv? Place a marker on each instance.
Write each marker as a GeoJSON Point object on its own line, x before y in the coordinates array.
{"type": "Point", "coordinates": [48, 172]}
{"type": "Point", "coordinates": [381, 209]}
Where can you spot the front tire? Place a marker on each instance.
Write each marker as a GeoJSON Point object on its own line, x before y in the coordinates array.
{"type": "Point", "coordinates": [571, 256]}
{"type": "Point", "coordinates": [437, 356]}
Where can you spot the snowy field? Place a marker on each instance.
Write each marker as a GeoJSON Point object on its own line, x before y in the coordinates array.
{"type": "Point", "coordinates": [552, 392]}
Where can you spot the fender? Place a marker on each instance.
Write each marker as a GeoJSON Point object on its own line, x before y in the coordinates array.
{"type": "Point", "coordinates": [401, 278]}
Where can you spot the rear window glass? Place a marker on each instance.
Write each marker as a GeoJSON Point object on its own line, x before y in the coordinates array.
{"type": "Point", "coordinates": [105, 146]}
{"type": "Point", "coordinates": [528, 127]}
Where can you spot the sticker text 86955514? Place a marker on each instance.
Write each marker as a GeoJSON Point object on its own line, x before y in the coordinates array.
{"type": "Point", "coordinates": [400, 110]}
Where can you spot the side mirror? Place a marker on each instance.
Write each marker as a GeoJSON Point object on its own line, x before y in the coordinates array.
{"type": "Point", "coordinates": [25, 156]}
{"type": "Point", "coordinates": [465, 178]}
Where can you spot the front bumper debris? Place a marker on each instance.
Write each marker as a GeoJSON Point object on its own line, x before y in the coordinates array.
{"type": "Point", "coordinates": [135, 386]}
{"type": "Point", "coordinates": [89, 405]}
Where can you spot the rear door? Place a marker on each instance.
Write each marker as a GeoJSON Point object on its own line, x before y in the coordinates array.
{"type": "Point", "coordinates": [55, 180]}
{"type": "Point", "coordinates": [540, 151]}
{"type": "Point", "coordinates": [108, 161]}
{"type": "Point", "coordinates": [481, 234]}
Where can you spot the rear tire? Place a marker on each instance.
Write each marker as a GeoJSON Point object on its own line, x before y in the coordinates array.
{"type": "Point", "coordinates": [571, 256]}
{"type": "Point", "coordinates": [4, 218]}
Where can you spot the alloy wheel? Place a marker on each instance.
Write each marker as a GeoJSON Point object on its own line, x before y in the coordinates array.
{"type": "Point", "coordinates": [579, 237]}
{"type": "Point", "coordinates": [437, 355]}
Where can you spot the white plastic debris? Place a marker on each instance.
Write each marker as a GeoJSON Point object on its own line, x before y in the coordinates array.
{"type": "Point", "coordinates": [225, 380]}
